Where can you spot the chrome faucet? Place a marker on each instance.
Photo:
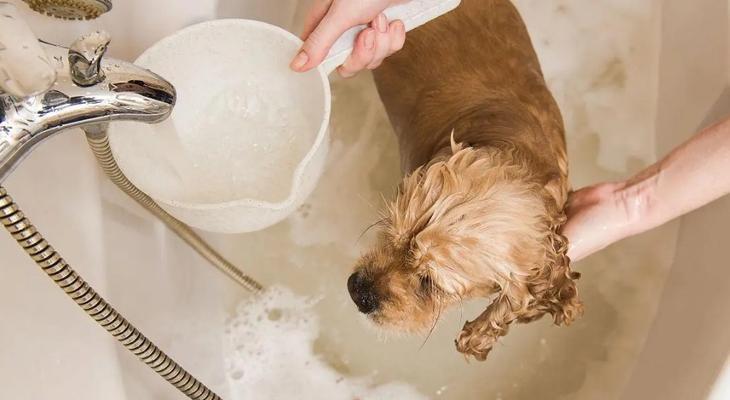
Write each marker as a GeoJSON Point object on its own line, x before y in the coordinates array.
{"type": "Point", "coordinates": [88, 90]}
{"type": "Point", "coordinates": [44, 89]}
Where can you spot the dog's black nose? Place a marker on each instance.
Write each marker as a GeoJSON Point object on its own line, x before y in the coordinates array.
{"type": "Point", "coordinates": [362, 291]}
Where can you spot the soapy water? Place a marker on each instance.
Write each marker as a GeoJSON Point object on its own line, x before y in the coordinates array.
{"type": "Point", "coordinates": [593, 57]}
{"type": "Point", "coordinates": [244, 143]}
{"type": "Point", "coordinates": [600, 62]}
{"type": "Point", "coordinates": [597, 58]}
{"type": "Point", "coordinates": [269, 345]}
{"type": "Point", "coordinates": [602, 79]}
{"type": "Point", "coordinates": [261, 138]}
{"type": "Point", "coordinates": [241, 126]}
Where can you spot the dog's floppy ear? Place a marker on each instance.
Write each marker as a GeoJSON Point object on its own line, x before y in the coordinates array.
{"type": "Point", "coordinates": [557, 189]}
{"type": "Point", "coordinates": [550, 290]}
{"type": "Point", "coordinates": [554, 285]}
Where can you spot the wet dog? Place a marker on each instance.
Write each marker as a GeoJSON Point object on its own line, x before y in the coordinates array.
{"type": "Point", "coordinates": [479, 211]}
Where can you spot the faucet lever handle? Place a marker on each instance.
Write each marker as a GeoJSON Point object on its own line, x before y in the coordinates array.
{"type": "Point", "coordinates": [85, 56]}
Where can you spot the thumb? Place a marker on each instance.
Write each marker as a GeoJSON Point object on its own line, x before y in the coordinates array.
{"type": "Point", "coordinates": [320, 41]}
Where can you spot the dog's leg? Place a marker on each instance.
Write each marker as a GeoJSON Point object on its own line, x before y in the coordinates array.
{"type": "Point", "coordinates": [479, 336]}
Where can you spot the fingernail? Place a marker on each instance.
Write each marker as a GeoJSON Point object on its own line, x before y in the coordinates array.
{"type": "Point", "coordinates": [369, 39]}
{"type": "Point", "coordinates": [381, 23]}
{"type": "Point", "coordinates": [299, 61]}
{"type": "Point", "coordinates": [344, 73]}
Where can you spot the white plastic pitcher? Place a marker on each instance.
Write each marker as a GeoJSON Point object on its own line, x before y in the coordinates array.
{"type": "Point", "coordinates": [248, 138]}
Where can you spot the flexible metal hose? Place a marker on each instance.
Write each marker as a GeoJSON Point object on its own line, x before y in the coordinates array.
{"type": "Point", "coordinates": [13, 219]}
{"type": "Point", "coordinates": [99, 143]}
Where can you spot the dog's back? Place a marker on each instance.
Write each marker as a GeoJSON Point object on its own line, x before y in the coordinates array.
{"type": "Point", "coordinates": [482, 217]}
{"type": "Point", "coordinates": [473, 71]}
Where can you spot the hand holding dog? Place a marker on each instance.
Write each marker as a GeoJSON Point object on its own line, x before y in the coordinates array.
{"type": "Point", "coordinates": [694, 174]}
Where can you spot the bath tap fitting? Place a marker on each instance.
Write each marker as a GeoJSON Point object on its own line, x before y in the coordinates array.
{"type": "Point", "coordinates": [85, 90]}
{"type": "Point", "coordinates": [47, 88]}
{"type": "Point", "coordinates": [89, 89]}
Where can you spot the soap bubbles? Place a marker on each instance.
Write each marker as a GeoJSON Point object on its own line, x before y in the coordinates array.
{"type": "Point", "coordinates": [269, 345]}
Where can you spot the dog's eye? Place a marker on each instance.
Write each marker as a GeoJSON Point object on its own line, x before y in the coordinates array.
{"type": "Point", "coordinates": [426, 283]}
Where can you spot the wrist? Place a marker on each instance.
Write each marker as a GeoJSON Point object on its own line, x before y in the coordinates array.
{"type": "Point", "coordinates": [635, 201]}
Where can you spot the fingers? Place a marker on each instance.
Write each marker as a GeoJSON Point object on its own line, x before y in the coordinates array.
{"type": "Point", "coordinates": [382, 41]}
{"type": "Point", "coordinates": [314, 16]}
{"type": "Point", "coordinates": [397, 36]}
{"type": "Point", "coordinates": [362, 55]}
{"type": "Point", "coordinates": [373, 45]}
{"type": "Point", "coordinates": [320, 40]}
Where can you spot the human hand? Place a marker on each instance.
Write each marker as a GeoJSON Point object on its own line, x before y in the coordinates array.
{"type": "Point", "coordinates": [597, 217]}
{"type": "Point", "coordinates": [329, 19]}
{"type": "Point", "coordinates": [691, 176]}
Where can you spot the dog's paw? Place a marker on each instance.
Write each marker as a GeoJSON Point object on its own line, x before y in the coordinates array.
{"type": "Point", "coordinates": [477, 339]}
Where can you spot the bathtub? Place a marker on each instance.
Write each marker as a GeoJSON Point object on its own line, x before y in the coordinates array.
{"type": "Point", "coordinates": [656, 322]}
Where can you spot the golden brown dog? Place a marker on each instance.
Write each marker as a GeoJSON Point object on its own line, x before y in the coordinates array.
{"type": "Point", "coordinates": [478, 214]}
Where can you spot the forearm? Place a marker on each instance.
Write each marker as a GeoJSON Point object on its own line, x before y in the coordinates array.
{"type": "Point", "coordinates": [694, 174]}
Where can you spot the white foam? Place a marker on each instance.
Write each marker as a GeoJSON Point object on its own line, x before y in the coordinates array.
{"type": "Point", "coordinates": [269, 347]}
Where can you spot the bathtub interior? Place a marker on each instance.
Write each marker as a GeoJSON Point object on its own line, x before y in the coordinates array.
{"type": "Point", "coordinates": [631, 85]}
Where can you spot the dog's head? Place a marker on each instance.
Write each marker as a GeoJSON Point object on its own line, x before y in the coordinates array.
{"type": "Point", "coordinates": [469, 224]}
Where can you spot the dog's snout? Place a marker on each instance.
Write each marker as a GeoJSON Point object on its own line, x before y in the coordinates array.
{"type": "Point", "coordinates": [363, 293]}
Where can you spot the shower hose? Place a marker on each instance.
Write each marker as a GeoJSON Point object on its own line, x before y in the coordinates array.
{"type": "Point", "coordinates": [28, 237]}
{"type": "Point", "coordinates": [99, 143]}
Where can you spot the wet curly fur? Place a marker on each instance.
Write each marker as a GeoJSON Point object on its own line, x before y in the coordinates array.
{"type": "Point", "coordinates": [479, 212]}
